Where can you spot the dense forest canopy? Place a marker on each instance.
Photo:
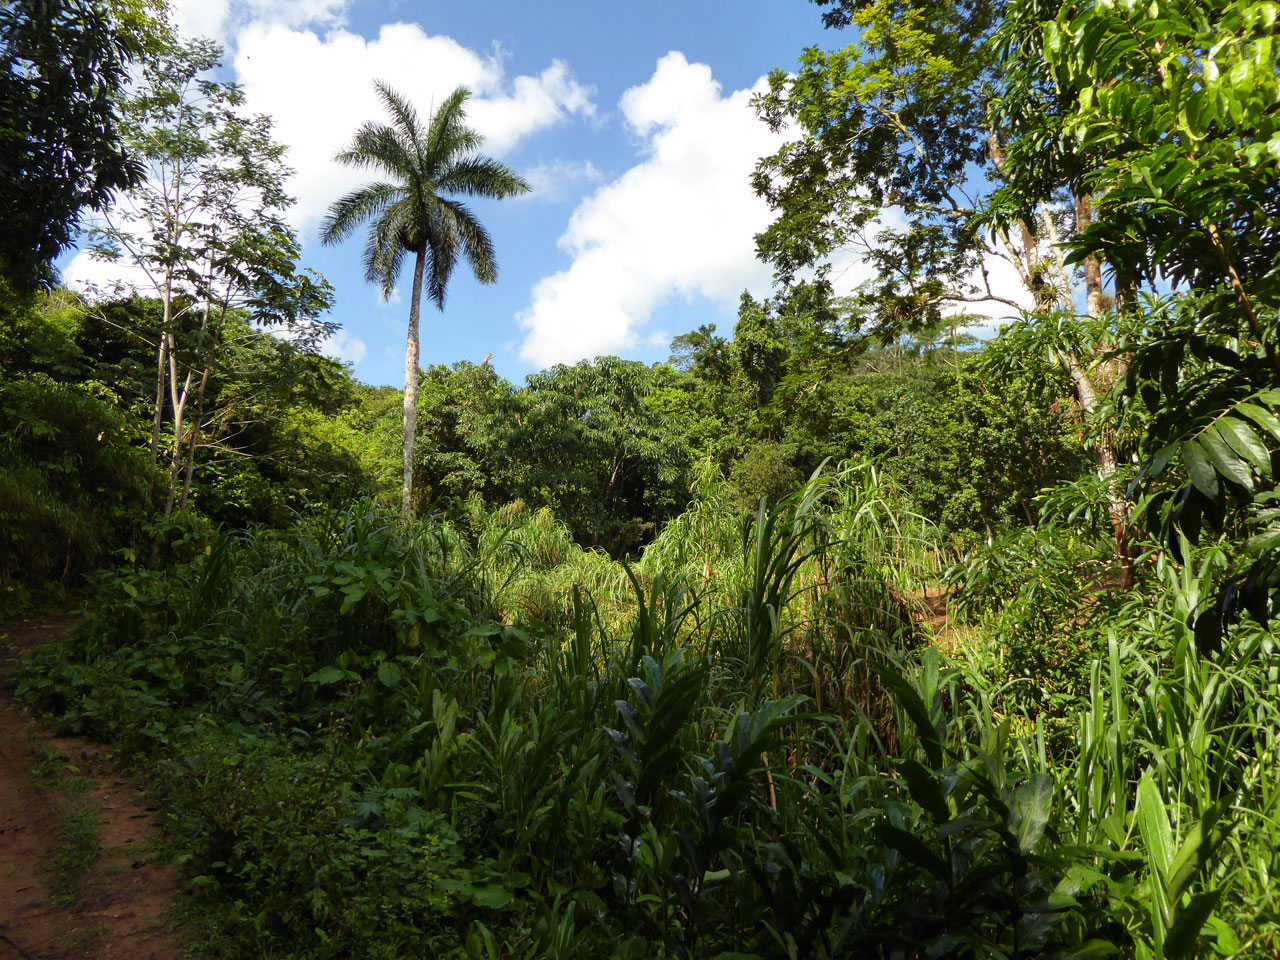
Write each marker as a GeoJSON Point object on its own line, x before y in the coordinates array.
{"type": "Point", "coordinates": [843, 632]}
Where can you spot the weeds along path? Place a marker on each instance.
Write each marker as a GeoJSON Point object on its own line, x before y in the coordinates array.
{"type": "Point", "coordinates": [77, 843]}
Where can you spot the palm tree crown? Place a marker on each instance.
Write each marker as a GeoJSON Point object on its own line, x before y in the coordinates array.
{"type": "Point", "coordinates": [414, 211]}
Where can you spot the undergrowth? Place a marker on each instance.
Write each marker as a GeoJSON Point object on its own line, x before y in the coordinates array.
{"type": "Point", "coordinates": [380, 741]}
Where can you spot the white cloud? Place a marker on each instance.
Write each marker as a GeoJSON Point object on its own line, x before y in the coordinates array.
{"type": "Point", "coordinates": [96, 279]}
{"type": "Point", "coordinates": [534, 103]}
{"type": "Point", "coordinates": [319, 90]}
{"type": "Point", "coordinates": [551, 181]}
{"type": "Point", "coordinates": [682, 222]}
{"type": "Point", "coordinates": [342, 346]}
{"type": "Point", "coordinates": [1005, 282]}
{"type": "Point", "coordinates": [201, 18]}
{"type": "Point", "coordinates": [220, 20]}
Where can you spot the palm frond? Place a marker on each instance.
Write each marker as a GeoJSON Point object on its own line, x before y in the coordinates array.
{"type": "Point", "coordinates": [404, 115]}
{"type": "Point", "coordinates": [348, 213]}
{"type": "Point", "coordinates": [482, 177]}
{"type": "Point", "coordinates": [448, 136]}
{"type": "Point", "coordinates": [383, 251]}
{"type": "Point", "coordinates": [443, 242]}
{"type": "Point", "coordinates": [379, 146]}
{"type": "Point", "coordinates": [475, 242]}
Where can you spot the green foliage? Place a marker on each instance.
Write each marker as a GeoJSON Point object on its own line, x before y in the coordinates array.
{"type": "Point", "coordinates": [361, 757]}
{"type": "Point", "coordinates": [589, 444]}
{"type": "Point", "coordinates": [73, 487]}
{"type": "Point", "coordinates": [63, 64]}
{"type": "Point", "coordinates": [967, 441]}
{"type": "Point", "coordinates": [77, 486]}
{"type": "Point", "coordinates": [485, 735]}
{"type": "Point", "coordinates": [764, 472]}
{"type": "Point", "coordinates": [206, 232]}
{"type": "Point", "coordinates": [1165, 114]}
{"type": "Point", "coordinates": [593, 442]}
{"type": "Point", "coordinates": [893, 121]}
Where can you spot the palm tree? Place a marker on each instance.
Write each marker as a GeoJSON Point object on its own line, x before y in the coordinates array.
{"type": "Point", "coordinates": [412, 213]}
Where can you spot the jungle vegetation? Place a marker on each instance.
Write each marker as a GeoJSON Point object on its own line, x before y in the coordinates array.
{"type": "Point", "coordinates": [841, 633]}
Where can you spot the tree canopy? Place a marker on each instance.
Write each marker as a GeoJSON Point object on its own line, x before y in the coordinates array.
{"type": "Point", "coordinates": [63, 63]}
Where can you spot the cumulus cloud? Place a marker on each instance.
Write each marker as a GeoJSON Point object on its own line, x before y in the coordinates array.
{"type": "Point", "coordinates": [342, 346]}
{"type": "Point", "coordinates": [221, 19]}
{"type": "Point", "coordinates": [552, 181]}
{"type": "Point", "coordinates": [319, 90]}
{"type": "Point", "coordinates": [680, 223]}
{"type": "Point", "coordinates": [98, 279]}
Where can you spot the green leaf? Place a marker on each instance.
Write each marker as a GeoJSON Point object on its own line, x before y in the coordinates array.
{"type": "Point", "coordinates": [1225, 941]}
{"type": "Point", "coordinates": [925, 789]}
{"type": "Point", "coordinates": [327, 675]}
{"type": "Point", "coordinates": [1245, 442]}
{"type": "Point", "coordinates": [1153, 824]}
{"type": "Point", "coordinates": [1225, 460]}
{"type": "Point", "coordinates": [910, 701]}
{"type": "Point", "coordinates": [389, 673]}
{"type": "Point", "coordinates": [1090, 949]}
{"type": "Point", "coordinates": [1186, 929]}
{"type": "Point", "coordinates": [1198, 849]}
{"type": "Point", "coordinates": [913, 849]}
{"type": "Point", "coordinates": [490, 895]}
{"type": "Point", "coordinates": [1199, 470]}
{"type": "Point", "coordinates": [1032, 805]}
{"type": "Point", "coordinates": [1261, 416]}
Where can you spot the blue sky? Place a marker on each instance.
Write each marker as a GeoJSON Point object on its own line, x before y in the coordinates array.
{"type": "Point", "coordinates": [632, 121]}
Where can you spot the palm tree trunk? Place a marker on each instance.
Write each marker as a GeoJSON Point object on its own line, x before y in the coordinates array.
{"type": "Point", "coordinates": [411, 384]}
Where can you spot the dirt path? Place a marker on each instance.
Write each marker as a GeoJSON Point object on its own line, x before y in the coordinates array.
{"type": "Point", "coordinates": [933, 612]}
{"type": "Point", "coordinates": [118, 905]}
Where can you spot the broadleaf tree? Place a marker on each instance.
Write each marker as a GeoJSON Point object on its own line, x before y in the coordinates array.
{"type": "Point", "coordinates": [1168, 119]}
{"type": "Point", "coordinates": [63, 66]}
{"type": "Point", "coordinates": [204, 233]}
{"type": "Point", "coordinates": [899, 127]}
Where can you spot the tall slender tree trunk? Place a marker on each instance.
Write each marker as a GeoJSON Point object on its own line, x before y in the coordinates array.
{"type": "Point", "coordinates": [411, 384]}
{"type": "Point", "coordinates": [1094, 297]}
{"type": "Point", "coordinates": [178, 398]}
{"type": "Point", "coordinates": [193, 444]}
{"type": "Point", "coordinates": [162, 360]}
{"type": "Point", "coordinates": [162, 356]}
{"type": "Point", "coordinates": [1095, 304]}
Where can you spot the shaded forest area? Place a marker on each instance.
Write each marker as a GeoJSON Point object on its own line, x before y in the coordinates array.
{"type": "Point", "coordinates": [844, 633]}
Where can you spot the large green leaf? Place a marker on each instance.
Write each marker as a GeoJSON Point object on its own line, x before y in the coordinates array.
{"type": "Point", "coordinates": [1245, 442]}
{"type": "Point", "coordinates": [913, 849]}
{"type": "Point", "coordinates": [1184, 932]}
{"type": "Point", "coordinates": [1032, 807]}
{"type": "Point", "coordinates": [1225, 460]}
{"type": "Point", "coordinates": [925, 789]}
{"type": "Point", "coordinates": [1153, 824]}
{"type": "Point", "coordinates": [1199, 470]}
{"type": "Point", "coordinates": [1198, 850]}
{"type": "Point", "coordinates": [910, 701]}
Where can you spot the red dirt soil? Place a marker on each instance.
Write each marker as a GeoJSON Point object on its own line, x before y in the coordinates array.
{"type": "Point", "coordinates": [121, 910]}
